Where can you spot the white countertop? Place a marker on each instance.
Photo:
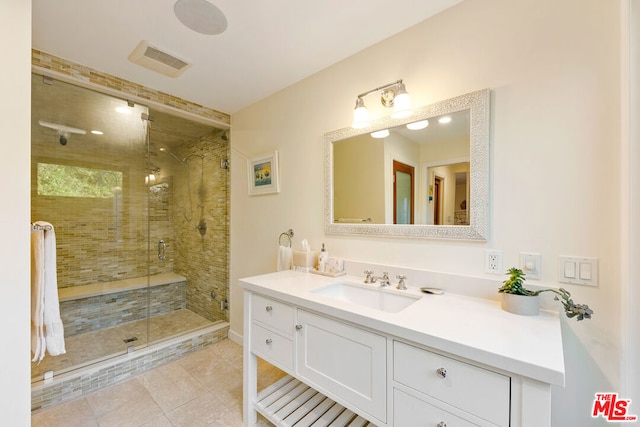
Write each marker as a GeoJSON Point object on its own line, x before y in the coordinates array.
{"type": "Point", "coordinates": [471, 328]}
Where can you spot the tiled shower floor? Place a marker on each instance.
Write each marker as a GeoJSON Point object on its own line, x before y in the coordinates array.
{"type": "Point", "coordinates": [203, 388]}
{"type": "Point", "coordinates": [86, 348]}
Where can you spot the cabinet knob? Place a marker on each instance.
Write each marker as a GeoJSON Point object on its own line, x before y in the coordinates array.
{"type": "Point", "coordinates": [298, 327]}
{"type": "Point", "coordinates": [268, 308]}
{"type": "Point", "coordinates": [268, 341]}
{"type": "Point", "coordinates": [441, 372]}
{"type": "Point", "coordinates": [442, 424]}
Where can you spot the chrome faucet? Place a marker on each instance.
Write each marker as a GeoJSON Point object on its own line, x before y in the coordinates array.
{"type": "Point", "coordinates": [369, 278]}
{"type": "Point", "coordinates": [384, 280]}
{"type": "Point", "coordinates": [401, 285]}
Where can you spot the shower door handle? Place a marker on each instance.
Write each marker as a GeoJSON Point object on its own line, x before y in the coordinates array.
{"type": "Point", "coordinates": [162, 250]}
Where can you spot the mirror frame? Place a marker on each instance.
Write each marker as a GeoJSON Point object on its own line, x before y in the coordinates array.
{"type": "Point", "coordinates": [478, 104]}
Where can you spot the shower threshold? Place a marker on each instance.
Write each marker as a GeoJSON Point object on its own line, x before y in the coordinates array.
{"type": "Point", "coordinates": [97, 346]}
{"type": "Point", "coordinates": [98, 375]}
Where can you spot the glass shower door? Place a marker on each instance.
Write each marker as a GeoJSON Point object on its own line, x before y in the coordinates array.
{"type": "Point", "coordinates": [89, 164]}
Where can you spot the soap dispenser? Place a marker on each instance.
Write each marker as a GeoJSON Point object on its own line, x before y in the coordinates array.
{"type": "Point", "coordinates": [323, 257]}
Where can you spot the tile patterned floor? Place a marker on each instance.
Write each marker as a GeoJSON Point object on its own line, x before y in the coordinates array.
{"type": "Point", "coordinates": [203, 388]}
{"type": "Point", "coordinates": [107, 342]}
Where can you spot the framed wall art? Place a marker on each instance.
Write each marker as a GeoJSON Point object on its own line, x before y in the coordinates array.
{"type": "Point", "coordinates": [262, 174]}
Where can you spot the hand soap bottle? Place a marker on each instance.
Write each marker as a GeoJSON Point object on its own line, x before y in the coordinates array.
{"type": "Point", "coordinates": [322, 259]}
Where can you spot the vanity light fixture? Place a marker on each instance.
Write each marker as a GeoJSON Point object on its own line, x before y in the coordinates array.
{"type": "Point", "coordinates": [391, 95]}
{"type": "Point", "coordinates": [380, 134]}
{"type": "Point", "coordinates": [444, 120]}
{"type": "Point", "coordinates": [418, 125]}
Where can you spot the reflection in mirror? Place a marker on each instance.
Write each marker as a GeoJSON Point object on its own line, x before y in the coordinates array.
{"type": "Point", "coordinates": [424, 176]}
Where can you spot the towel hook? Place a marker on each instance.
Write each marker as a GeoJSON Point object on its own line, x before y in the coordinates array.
{"type": "Point", "coordinates": [288, 234]}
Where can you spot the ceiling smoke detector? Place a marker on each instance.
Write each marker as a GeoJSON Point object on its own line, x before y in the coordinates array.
{"type": "Point", "coordinates": [157, 60]}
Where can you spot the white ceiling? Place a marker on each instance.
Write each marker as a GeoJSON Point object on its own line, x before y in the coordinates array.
{"type": "Point", "coordinates": [268, 45]}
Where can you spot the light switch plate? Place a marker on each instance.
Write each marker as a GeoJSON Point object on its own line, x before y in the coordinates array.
{"type": "Point", "coordinates": [531, 265]}
{"type": "Point", "coordinates": [578, 270]}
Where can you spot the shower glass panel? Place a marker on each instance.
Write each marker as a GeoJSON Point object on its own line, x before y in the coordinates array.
{"type": "Point", "coordinates": [121, 186]}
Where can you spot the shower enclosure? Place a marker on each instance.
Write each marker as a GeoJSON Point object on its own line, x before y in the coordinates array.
{"type": "Point", "coordinates": [138, 199]}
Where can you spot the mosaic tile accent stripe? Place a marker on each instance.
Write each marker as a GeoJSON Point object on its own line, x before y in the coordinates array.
{"type": "Point", "coordinates": [85, 74]}
{"type": "Point", "coordinates": [43, 396]}
{"type": "Point", "coordinates": [103, 311]}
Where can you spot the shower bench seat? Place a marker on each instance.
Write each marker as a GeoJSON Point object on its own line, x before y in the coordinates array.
{"type": "Point", "coordinates": [105, 288]}
{"type": "Point", "coordinates": [91, 307]}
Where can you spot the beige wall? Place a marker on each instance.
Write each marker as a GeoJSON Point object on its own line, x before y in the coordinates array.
{"type": "Point", "coordinates": [554, 74]}
{"type": "Point", "coordinates": [359, 192]}
{"type": "Point", "coordinates": [15, 122]}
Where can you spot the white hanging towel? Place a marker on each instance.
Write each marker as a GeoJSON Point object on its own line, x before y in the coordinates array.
{"type": "Point", "coordinates": [48, 324]}
{"type": "Point", "coordinates": [284, 258]}
{"type": "Point", "coordinates": [38, 344]}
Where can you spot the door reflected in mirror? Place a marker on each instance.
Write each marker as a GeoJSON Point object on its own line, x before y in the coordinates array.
{"type": "Point", "coordinates": [448, 194]}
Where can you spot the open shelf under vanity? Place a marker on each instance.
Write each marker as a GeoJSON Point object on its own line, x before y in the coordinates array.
{"type": "Point", "coordinates": [289, 402]}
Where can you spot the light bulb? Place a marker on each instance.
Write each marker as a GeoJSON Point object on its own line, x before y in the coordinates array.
{"type": "Point", "coordinates": [380, 134]}
{"type": "Point", "coordinates": [401, 103]}
{"type": "Point", "coordinates": [418, 125]}
{"type": "Point", "coordinates": [360, 115]}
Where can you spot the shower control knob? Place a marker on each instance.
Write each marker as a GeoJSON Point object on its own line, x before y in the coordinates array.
{"type": "Point", "coordinates": [442, 424]}
{"type": "Point", "coordinates": [441, 372]}
{"type": "Point", "coordinates": [268, 341]}
{"type": "Point", "coordinates": [269, 308]}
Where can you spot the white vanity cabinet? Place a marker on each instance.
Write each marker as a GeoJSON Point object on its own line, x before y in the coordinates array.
{"type": "Point", "coordinates": [343, 361]}
{"type": "Point", "coordinates": [271, 331]}
{"type": "Point", "coordinates": [361, 368]}
{"type": "Point", "coordinates": [481, 396]}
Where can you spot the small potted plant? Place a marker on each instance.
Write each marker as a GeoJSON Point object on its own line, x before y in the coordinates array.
{"type": "Point", "coordinates": [519, 300]}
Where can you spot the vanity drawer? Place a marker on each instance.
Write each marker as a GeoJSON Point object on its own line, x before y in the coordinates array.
{"type": "Point", "coordinates": [271, 347]}
{"type": "Point", "coordinates": [410, 411]}
{"type": "Point", "coordinates": [475, 390]}
{"type": "Point", "coordinates": [272, 313]}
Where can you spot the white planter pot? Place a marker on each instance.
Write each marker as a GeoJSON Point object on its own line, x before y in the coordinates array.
{"type": "Point", "coordinates": [520, 304]}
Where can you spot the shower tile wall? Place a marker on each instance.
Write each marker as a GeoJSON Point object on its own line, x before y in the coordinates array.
{"type": "Point", "coordinates": [203, 259]}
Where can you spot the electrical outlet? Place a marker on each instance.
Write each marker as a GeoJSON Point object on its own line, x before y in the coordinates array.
{"type": "Point", "coordinates": [493, 262]}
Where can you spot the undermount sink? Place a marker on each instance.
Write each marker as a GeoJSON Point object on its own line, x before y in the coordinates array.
{"type": "Point", "coordinates": [367, 296]}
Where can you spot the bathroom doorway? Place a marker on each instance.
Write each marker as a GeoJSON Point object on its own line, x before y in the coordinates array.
{"type": "Point", "coordinates": [403, 193]}
{"type": "Point", "coordinates": [139, 205]}
{"type": "Point", "coordinates": [438, 185]}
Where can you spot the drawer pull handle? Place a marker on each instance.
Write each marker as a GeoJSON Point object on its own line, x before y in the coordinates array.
{"type": "Point", "coordinates": [268, 341]}
{"type": "Point", "coordinates": [298, 327]}
{"type": "Point", "coordinates": [442, 424]}
{"type": "Point", "coordinates": [269, 308]}
{"type": "Point", "coordinates": [443, 374]}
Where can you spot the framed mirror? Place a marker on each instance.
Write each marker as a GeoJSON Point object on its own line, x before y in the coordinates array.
{"type": "Point", "coordinates": [425, 176]}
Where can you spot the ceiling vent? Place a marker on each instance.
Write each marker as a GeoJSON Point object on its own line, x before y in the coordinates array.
{"type": "Point", "coordinates": [151, 57]}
